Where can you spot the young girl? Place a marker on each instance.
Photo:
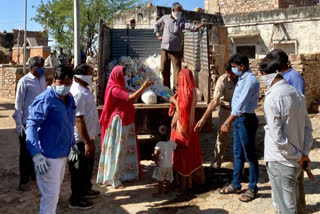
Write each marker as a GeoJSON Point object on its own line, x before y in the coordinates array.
{"type": "Point", "coordinates": [163, 159]}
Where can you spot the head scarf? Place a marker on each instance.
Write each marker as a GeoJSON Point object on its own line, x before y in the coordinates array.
{"type": "Point", "coordinates": [185, 98]}
{"type": "Point", "coordinates": [116, 80]}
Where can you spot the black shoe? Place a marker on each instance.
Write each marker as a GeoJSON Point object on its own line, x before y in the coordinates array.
{"type": "Point", "coordinates": [92, 194]}
{"type": "Point", "coordinates": [82, 204]}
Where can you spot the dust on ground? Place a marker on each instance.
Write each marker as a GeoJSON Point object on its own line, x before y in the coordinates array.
{"type": "Point", "coordinates": [137, 196]}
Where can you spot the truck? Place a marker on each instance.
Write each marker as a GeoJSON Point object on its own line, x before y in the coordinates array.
{"type": "Point", "coordinates": [142, 43]}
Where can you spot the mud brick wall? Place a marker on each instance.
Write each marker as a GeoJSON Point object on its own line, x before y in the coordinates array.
{"type": "Point", "coordinates": [309, 67]}
{"type": "Point", "coordinates": [286, 3]}
{"type": "Point", "coordinates": [10, 76]}
{"type": "Point", "coordinates": [246, 6]}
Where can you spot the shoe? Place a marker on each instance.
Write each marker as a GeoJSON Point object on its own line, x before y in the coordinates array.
{"type": "Point", "coordinates": [81, 205]}
{"type": "Point", "coordinates": [24, 187]}
{"type": "Point", "coordinates": [92, 194]}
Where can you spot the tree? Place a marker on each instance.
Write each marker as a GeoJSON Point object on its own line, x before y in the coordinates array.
{"type": "Point", "coordinates": [58, 16]}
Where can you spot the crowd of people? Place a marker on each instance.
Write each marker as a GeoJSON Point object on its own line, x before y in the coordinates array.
{"type": "Point", "coordinates": [59, 124]}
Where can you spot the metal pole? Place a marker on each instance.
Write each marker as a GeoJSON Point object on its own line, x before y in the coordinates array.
{"type": "Point", "coordinates": [76, 33]}
{"type": "Point", "coordinates": [25, 37]}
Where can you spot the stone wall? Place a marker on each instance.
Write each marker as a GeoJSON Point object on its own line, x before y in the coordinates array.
{"type": "Point", "coordinates": [282, 28]}
{"type": "Point", "coordinates": [246, 6]}
{"type": "Point", "coordinates": [309, 67]}
{"type": "Point", "coordinates": [145, 18]}
{"type": "Point", "coordinates": [10, 76]}
{"type": "Point", "coordinates": [287, 3]}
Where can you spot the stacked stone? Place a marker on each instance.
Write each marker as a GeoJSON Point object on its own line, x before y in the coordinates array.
{"type": "Point", "coordinates": [247, 6]}
{"type": "Point", "coordinates": [309, 67]}
{"type": "Point", "coordinates": [8, 82]}
{"type": "Point", "coordinates": [10, 76]}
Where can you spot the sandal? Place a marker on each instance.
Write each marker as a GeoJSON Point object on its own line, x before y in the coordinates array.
{"type": "Point", "coordinates": [249, 195]}
{"type": "Point", "coordinates": [229, 190]}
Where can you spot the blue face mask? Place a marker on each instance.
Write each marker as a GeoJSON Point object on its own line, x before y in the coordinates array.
{"type": "Point", "coordinates": [236, 71]}
{"type": "Point", "coordinates": [62, 90]}
{"type": "Point", "coordinates": [40, 71]}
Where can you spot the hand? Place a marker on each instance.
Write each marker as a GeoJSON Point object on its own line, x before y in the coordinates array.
{"type": "Point", "coordinates": [201, 25]}
{"type": "Point", "coordinates": [172, 99]}
{"type": "Point", "coordinates": [147, 83]}
{"type": "Point", "coordinates": [40, 164]}
{"type": "Point", "coordinates": [224, 129]}
{"type": "Point", "coordinates": [20, 130]}
{"type": "Point", "coordinates": [199, 125]}
{"type": "Point", "coordinates": [74, 153]}
{"type": "Point", "coordinates": [89, 149]}
{"type": "Point", "coordinates": [304, 158]}
{"type": "Point", "coordinates": [160, 38]}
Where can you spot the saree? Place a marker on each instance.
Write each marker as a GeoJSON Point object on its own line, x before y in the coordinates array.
{"type": "Point", "coordinates": [119, 159]}
{"type": "Point", "coordinates": [187, 157]}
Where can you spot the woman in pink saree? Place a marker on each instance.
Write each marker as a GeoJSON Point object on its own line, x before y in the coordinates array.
{"type": "Point", "coordinates": [119, 159]}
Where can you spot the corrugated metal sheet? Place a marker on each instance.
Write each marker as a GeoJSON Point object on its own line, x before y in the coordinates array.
{"type": "Point", "coordinates": [196, 57]}
{"type": "Point", "coordinates": [134, 43]}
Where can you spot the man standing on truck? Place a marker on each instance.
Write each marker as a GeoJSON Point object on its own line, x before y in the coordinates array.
{"type": "Point", "coordinates": [169, 31]}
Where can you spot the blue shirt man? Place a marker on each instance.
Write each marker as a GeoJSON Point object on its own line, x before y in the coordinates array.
{"type": "Point", "coordinates": [50, 125]}
{"type": "Point", "coordinates": [246, 94]}
{"type": "Point", "coordinates": [244, 103]}
{"type": "Point", "coordinates": [50, 136]}
{"type": "Point", "coordinates": [293, 77]}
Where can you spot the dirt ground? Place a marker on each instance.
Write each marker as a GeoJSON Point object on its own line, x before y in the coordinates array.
{"type": "Point", "coordinates": [137, 196]}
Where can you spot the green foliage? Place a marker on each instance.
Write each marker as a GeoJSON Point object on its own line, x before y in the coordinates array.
{"type": "Point", "coordinates": [58, 15]}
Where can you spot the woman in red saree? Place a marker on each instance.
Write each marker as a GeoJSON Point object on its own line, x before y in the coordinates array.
{"type": "Point", "coordinates": [187, 161]}
{"type": "Point", "coordinates": [119, 159]}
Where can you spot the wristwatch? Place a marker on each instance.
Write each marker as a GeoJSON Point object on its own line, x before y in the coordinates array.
{"type": "Point", "coordinates": [227, 125]}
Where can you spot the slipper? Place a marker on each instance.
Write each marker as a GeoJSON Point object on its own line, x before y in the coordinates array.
{"type": "Point", "coordinates": [121, 186]}
{"type": "Point", "coordinates": [248, 196]}
{"type": "Point", "coordinates": [229, 190]}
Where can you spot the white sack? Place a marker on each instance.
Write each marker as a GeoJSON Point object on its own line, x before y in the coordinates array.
{"type": "Point", "coordinates": [149, 97]}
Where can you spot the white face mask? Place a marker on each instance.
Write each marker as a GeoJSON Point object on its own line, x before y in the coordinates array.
{"type": "Point", "coordinates": [269, 78]}
{"type": "Point", "coordinates": [85, 78]}
{"type": "Point", "coordinates": [177, 15]}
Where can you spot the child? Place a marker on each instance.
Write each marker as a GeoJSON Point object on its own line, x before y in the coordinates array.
{"type": "Point", "coordinates": [163, 159]}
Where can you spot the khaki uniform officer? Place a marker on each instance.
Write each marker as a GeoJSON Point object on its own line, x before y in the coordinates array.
{"type": "Point", "coordinates": [222, 96]}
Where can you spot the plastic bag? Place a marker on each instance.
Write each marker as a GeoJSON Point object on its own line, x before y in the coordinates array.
{"type": "Point", "coordinates": [149, 97]}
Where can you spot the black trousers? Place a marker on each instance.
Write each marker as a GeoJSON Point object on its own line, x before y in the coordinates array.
{"type": "Point", "coordinates": [81, 174]}
{"type": "Point", "coordinates": [25, 162]}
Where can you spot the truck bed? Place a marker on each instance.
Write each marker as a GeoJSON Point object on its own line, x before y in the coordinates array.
{"type": "Point", "coordinates": [150, 116]}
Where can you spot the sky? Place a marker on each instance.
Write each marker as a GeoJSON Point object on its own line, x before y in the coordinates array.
{"type": "Point", "coordinates": [12, 12]}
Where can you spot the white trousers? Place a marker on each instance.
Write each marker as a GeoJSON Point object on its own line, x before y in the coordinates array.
{"type": "Point", "coordinates": [49, 185]}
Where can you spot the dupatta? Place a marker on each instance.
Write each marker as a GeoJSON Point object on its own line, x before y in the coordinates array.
{"type": "Point", "coordinates": [186, 103]}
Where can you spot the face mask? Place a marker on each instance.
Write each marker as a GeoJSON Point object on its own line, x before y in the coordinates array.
{"type": "Point", "coordinates": [236, 71]}
{"type": "Point", "coordinates": [40, 70]}
{"type": "Point", "coordinates": [62, 90]}
{"type": "Point", "coordinates": [269, 78]}
{"type": "Point", "coordinates": [177, 15]}
{"type": "Point", "coordinates": [85, 78]}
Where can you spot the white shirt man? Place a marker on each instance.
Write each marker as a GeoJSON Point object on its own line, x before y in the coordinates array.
{"type": "Point", "coordinates": [29, 87]}
{"type": "Point", "coordinates": [288, 139]}
{"type": "Point", "coordinates": [87, 127]}
{"type": "Point", "coordinates": [51, 61]}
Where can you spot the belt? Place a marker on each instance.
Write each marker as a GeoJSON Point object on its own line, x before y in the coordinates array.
{"type": "Point", "coordinates": [247, 114]}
